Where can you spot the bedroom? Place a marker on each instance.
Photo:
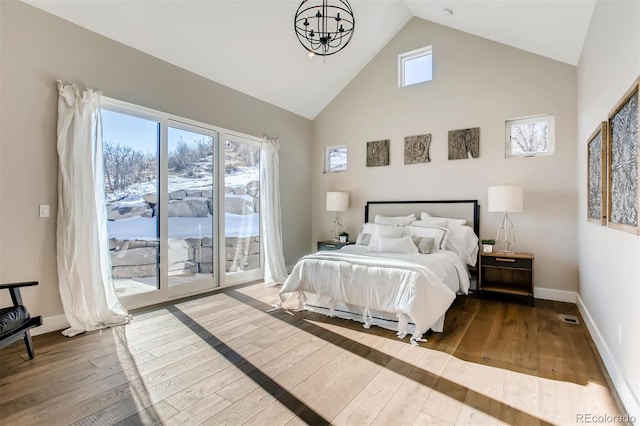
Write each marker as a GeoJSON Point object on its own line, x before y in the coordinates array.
{"type": "Point", "coordinates": [572, 258]}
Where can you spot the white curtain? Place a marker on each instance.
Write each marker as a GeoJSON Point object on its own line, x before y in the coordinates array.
{"type": "Point", "coordinates": [275, 270]}
{"type": "Point", "coordinates": [84, 266]}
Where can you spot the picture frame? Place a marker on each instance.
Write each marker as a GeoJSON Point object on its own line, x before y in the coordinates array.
{"type": "Point", "coordinates": [597, 148]}
{"type": "Point", "coordinates": [623, 163]}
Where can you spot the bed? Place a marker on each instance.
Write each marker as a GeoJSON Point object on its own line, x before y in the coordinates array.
{"type": "Point", "coordinates": [419, 255]}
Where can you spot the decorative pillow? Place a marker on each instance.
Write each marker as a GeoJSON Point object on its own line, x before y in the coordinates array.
{"type": "Point", "coordinates": [396, 245]}
{"type": "Point", "coordinates": [463, 241]}
{"type": "Point", "coordinates": [425, 245]}
{"type": "Point", "coordinates": [363, 239]}
{"type": "Point", "coordinates": [426, 216]}
{"type": "Point", "coordinates": [394, 220]}
{"type": "Point", "coordinates": [438, 234]}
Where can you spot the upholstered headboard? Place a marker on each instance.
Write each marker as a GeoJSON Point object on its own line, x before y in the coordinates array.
{"type": "Point", "coordinates": [458, 209]}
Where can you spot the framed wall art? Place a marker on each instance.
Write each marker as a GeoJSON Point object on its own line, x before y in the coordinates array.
{"type": "Point", "coordinates": [416, 149]}
{"type": "Point", "coordinates": [623, 163]}
{"type": "Point", "coordinates": [597, 175]}
{"type": "Point", "coordinates": [464, 143]}
{"type": "Point", "coordinates": [378, 153]}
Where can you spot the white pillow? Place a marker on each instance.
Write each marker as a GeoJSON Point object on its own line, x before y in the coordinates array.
{"type": "Point", "coordinates": [396, 245]}
{"type": "Point", "coordinates": [431, 222]}
{"type": "Point", "coordinates": [394, 220]}
{"type": "Point", "coordinates": [450, 222]}
{"type": "Point", "coordinates": [384, 231]}
{"type": "Point", "coordinates": [462, 240]}
{"type": "Point", "coordinates": [438, 234]}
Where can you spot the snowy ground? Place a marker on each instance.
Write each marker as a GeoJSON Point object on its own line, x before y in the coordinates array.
{"type": "Point", "coordinates": [145, 228]}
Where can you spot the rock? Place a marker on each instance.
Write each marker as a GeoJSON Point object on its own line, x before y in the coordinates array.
{"type": "Point", "coordinates": [253, 188]}
{"type": "Point", "coordinates": [139, 271]}
{"type": "Point", "coordinates": [188, 207]}
{"type": "Point", "coordinates": [207, 242]}
{"type": "Point", "coordinates": [150, 198]}
{"type": "Point", "coordinates": [228, 190]}
{"type": "Point", "coordinates": [178, 195]}
{"type": "Point", "coordinates": [239, 190]}
{"type": "Point", "coordinates": [206, 268]}
{"type": "Point", "coordinates": [126, 209]}
{"type": "Point", "coordinates": [194, 193]}
{"type": "Point", "coordinates": [183, 269]}
{"type": "Point", "coordinates": [203, 254]}
{"type": "Point", "coordinates": [207, 194]}
{"type": "Point", "coordinates": [238, 204]}
{"type": "Point", "coordinates": [148, 213]}
{"type": "Point", "coordinates": [134, 256]}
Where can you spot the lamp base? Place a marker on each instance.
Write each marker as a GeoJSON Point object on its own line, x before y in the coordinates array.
{"type": "Point", "coordinates": [505, 238]}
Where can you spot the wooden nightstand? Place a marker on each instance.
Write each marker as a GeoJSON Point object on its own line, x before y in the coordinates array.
{"type": "Point", "coordinates": [331, 245]}
{"type": "Point", "coordinates": [507, 274]}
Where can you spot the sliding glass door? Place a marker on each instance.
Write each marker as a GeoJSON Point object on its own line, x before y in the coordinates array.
{"type": "Point", "coordinates": [190, 209]}
{"type": "Point", "coordinates": [183, 205]}
{"type": "Point", "coordinates": [242, 254]}
{"type": "Point", "coordinates": [131, 145]}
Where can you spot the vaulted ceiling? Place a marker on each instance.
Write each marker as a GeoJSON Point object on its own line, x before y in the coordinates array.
{"type": "Point", "coordinates": [250, 46]}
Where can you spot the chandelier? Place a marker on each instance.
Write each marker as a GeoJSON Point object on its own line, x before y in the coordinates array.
{"type": "Point", "coordinates": [324, 27]}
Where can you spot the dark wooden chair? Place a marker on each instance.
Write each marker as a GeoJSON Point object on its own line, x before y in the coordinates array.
{"type": "Point", "coordinates": [15, 321]}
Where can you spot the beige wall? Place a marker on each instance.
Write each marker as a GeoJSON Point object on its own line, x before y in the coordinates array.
{"type": "Point", "coordinates": [476, 83]}
{"type": "Point", "coordinates": [609, 259]}
{"type": "Point", "coordinates": [37, 49]}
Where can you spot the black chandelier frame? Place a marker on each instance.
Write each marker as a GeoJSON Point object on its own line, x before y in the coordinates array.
{"type": "Point", "coordinates": [324, 27]}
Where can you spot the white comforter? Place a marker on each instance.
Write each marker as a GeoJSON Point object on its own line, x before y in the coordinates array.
{"type": "Point", "coordinates": [418, 288]}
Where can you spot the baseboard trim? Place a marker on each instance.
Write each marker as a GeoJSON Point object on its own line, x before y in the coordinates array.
{"type": "Point", "coordinates": [556, 295]}
{"type": "Point", "coordinates": [625, 393]}
{"type": "Point", "coordinates": [49, 324]}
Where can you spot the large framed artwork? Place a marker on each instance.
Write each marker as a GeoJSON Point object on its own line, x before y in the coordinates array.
{"type": "Point", "coordinates": [378, 153]}
{"type": "Point", "coordinates": [597, 175]}
{"type": "Point", "coordinates": [623, 163]}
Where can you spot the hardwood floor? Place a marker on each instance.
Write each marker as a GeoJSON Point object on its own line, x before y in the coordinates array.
{"type": "Point", "coordinates": [223, 359]}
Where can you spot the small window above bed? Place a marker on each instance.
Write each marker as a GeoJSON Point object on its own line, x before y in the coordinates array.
{"type": "Point", "coordinates": [415, 67]}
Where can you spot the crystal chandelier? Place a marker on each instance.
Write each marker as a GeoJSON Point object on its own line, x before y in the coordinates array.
{"type": "Point", "coordinates": [324, 27]}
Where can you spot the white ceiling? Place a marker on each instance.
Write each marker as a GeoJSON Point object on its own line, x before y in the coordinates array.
{"type": "Point", "coordinates": [250, 45]}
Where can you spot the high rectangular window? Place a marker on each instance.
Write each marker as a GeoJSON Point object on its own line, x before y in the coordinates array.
{"type": "Point", "coordinates": [335, 159]}
{"type": "Point", "coordinates": [531, 136]}
{"type": "Point", "coordinates": [415, 67]}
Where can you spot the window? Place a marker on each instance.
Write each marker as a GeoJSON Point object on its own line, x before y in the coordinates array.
{"type": "Point", "coordinates": [531, 136]}
{"type": "Point", "coordinates": [335, 159]}
{"type": "Point", "coordinates": [415, 67]}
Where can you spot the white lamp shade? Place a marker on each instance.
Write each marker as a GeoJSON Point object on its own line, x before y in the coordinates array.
{"type": "Point", "coordinates": [337, 201]}
{"type": "Point", "coordinates": [505, 198]}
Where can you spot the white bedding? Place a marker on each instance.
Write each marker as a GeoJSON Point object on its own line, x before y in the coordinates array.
{"type": "Point", "coordinates": [407, 292]}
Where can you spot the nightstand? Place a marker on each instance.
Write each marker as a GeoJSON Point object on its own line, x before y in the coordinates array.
{"type": "Point", "coordinates": [507, 274]}
{"type": "Point", "coordinates": [331, 245]}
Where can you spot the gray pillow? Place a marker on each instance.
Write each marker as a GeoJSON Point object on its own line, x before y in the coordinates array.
{"type": "Point", "coordinates": [425, 245]}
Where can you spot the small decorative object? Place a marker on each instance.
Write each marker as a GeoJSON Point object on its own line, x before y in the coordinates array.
{"type": "Point", "coordinates": [344, 237]}
{"type": "Point", "coordinates": [464, 143]}
{"type": "Point", "coordinates": [623, 163]}
{"type": "Point", "coordinates": [505, 199]}
{"type": "Point", "coordinates": [378, 153]}
{"type": "Point", "coordinates": [596, 178]}
{"type": "Point", "coordinates": [337, 202]}
{"type": "Point", "coordinates": [487, 245]}
{"type": "Point", "coordinates": [324, 27]}
{"type": "Point", "coordinates": [416, 149]}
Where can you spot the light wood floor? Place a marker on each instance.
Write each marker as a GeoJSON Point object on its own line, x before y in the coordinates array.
{"type": "Point", "coordinates": [222, 359]}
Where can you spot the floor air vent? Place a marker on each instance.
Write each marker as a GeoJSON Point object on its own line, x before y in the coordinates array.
{"type": "Point", "coordinates": [571, 319]}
